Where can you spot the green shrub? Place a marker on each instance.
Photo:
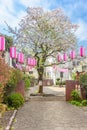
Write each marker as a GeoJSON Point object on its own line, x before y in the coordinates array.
{"type": "Point", "coordinates": [64, 82]}
{"type": "Point", "coordinates": [73, 76]}
{"type": "Point", "coordinates": [75, 95]}
{"type": "Point", "coordinates": [33, 81]}
{"type": "Point", "coordinates": [16, 76]}
{"type": "Point", "coordinates": [15, 100]}
{"type": "Point", "coordinates": [27, 83]}
{"type": "Point", "coordinates": [57, 81]}
{"type": "Point", "coordinates": [84, 103]}
{"type": "Point", "coordinates": [83, 80]}
{"type": "Point", "coordinates": [26, 79]}
{"type": "Point", "coordinates": [77, 103]}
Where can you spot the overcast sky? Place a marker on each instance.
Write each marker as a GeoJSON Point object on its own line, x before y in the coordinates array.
{"type": "Point", "coordinates": [12, 11]}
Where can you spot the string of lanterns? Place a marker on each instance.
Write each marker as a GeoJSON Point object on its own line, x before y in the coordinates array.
{"type": "Point", "coordinates": [31, 62]}
{"type": "Point", "coordinates": [72, 55]}
{"type": "Point", "coordinates": [65, 57]}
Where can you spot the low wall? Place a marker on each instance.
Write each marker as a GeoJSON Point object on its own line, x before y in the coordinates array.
{"type": "Point", "coordinates": [48, 82]}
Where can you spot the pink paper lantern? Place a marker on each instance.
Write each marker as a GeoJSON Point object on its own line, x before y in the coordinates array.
{"type": "Point", "coordinates": [59, 58]}
{"type": "Point", "coordinates": [62, 70]}
{"type": "Point", "coordinates": [27, 68]}
{"type": "Point", "coordinates": [13, 52]}
{"type": "Point", "coordinates": [72, 54]}
{"type": "Point", "coordinates": [32, 61]}
{"type": "Point", "coordinates": [82, 51]}
{"type": "Point", "coordinates": [2, 43]}
{"type": "Point", "coordinates": [29, 61]}
{"type": "Point", "coordinates": [21, 58]}
{"type": "Point", "coordinates": [19, 66]}
{"type": "Point", "coordinates": [64, 56]}
{"type": "Point", "coordinates": [30, 68]}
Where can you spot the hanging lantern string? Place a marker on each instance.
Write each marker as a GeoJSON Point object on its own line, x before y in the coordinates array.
{"type": "Point", "coordinates": [32, 61]}
{"type": "Point", "coordinates": [72, 55]}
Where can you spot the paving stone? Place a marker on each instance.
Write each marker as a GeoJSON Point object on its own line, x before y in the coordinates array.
{"type": "Point", "coordinates": [50, 115]}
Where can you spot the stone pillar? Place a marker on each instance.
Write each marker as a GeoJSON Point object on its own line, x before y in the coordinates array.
{"type": "Point", "coordinates": [21, 88]}
{"type": "Point", "coordinates": [70, 85]}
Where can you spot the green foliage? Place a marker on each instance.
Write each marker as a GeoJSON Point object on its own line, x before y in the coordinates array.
{"type": "Point", "coordinates": [75, 95]}
{"type": "Point", "coordinates": [26, 79]}
{"type": "Point", "coordinates": [64, 82]}
{"type": "Point", "coordinates": [0, 84]}
{"type": "Point", "coordinates": [9, 42]}
{"type": "Point", "coordinates": [84, 103]}
{"type": "Point", "coordinates": [76, 100]}
{"type": "Point", "coordinates": [77, 103]}
{"type": "Point", "coordinates": [15, 100]}
{"type": "Point", "coordinates": [57, 81]}
{"type": "Point", "coordinates": [3, 108]}
{"type": "Point", "coordinates": [83, 80]}
{"type": "Point", "coordinates": [73, 76]}
{"type": "Point", "coordinates": [4, 76]}
{"type": "Point", "coordinates": [60, 83]}
{"type": "Point", "coordinates": [33, 81]}
{"type": "Point", "coordinates": [16, 76]}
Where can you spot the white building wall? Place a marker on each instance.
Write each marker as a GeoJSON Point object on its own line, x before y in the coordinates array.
{"type": "Point", "coordinates": [8, 60]}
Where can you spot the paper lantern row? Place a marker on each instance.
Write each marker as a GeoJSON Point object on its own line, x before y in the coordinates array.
{"type": "Point", "coordinates": [32, 61]}
{"type": "Point", "coordinates": [20, 57]}
{"type": "Point", "coordinates": [72, 55]}
{"type": "Point", "coordinates": [13, 54]}
{"type": "Point", "coordinates": [56, 68]}
{"type": "Point", "coordinates": [27, 68]}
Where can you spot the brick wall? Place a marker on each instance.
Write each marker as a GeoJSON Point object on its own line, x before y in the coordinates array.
{"type": "Point", "coordinates": [21, 88]}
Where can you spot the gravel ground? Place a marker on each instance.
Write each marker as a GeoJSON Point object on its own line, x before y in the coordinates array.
{"type": "Point", "coordinates": [50, 115]}
{"type": "Point", "coordinates": [7, 115]}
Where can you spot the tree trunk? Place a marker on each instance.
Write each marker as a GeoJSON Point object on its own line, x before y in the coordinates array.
{"type": "Point", "coordinates": [40, 88]}
{"type": "Point", "coordinates": [40, 79]}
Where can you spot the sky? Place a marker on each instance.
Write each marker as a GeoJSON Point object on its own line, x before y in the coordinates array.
{"type": "Point", "coordinates": [12, 11]}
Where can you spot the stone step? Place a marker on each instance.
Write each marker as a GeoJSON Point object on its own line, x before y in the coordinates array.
{"type": "Point", "coordinates": [47, 98]}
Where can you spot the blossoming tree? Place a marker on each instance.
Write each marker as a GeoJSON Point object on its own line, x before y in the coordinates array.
{"type": "Point", "coordinates": [44, 34]}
